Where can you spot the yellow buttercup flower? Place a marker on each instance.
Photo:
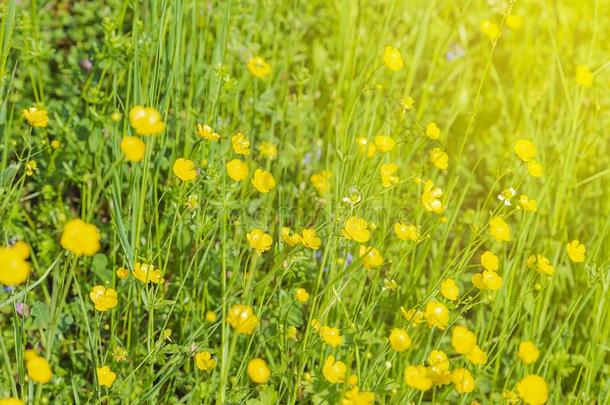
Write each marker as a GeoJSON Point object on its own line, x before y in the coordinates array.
{"type": "Point", "coordinates": [413, 315]}
{"type": "Point", "coordinates": [439, 367]}
{"type": "Point", "coordinates": [371, 257]}
{"type": "Point", "coordinates": [310, 239]}
{"type": "Point", "coordinates": [527, 204]}
{"type": "Point", "coordinates": [105, 376]}
{"type": "Point", "coordinates": [80, 238]}
{"type": "Point", "coordinates": [103, 298]}
{"type": "Point", "coordinates": [184, 169]}
{"type": "Point", "coordinates": [544, 265]}
{"type": "Point", "coordinates": [525, 149]}
{"type": "Point", "coordinates": [392, 58]}
{"type": "Point", "coordinates": [406, 231]}
{"type": "Point", "coordinates": [490, 30]}
{"type": "Point", "coordinates": [449, 289]}
{"type": "Point", "coordinates": [431, 198]}
{"type": "Point", "coordinates": [205, 361]}
{"type": "Point", "coordinates": [331, 336]}
{"type": "Point", "coordinates": [356, 397]}
{"type": "Point", "coordinates": [122, 272]}
{"type": "Point", "coordinates": [462, 339]}
{"type": "Point", "coordinates": [146, 120]}
{"type": "Point", "coordinates": [38, 367]}
{"type": "Point", "coordinates": [514, 22]}
{"type": "Point", "coordinates": [433, 131]}
{"type": "Point", "coordinates": [206, 132]}
{"type": "Point", "coordinates": [263, 181]}
{"type": "Point", "coordinates": [259, 67]}
{"type": "Point", "coordinates": [36, 117]}
{"type": "Point", "coordinates": [14, 267]}
{"type": "Point", "coordinates": [477, 356]}
{"type": "Point", "coordinates": [258, 371]}
{"type": "Point", "coordinates": [242, 319]}
{"type": "Point", "coordinates": [418, 377]}
{"type": "Point", "coordinates": [210, 316]}
{"type": "Point", "coordinates": [356, 229]}
{"type": "Point", "coordinates": [499, 229]}
{"type": "Point", "coordinates": [490, 261]}
{"type": "Point", "coordinates": [576, 251]}
{"type": "Point", "coordinates": [237, 169]}
{"type": "Point", "coordinates": [365, 147]}
{"type": "Point", "coordinates": [240, 144]}
{"type": "Point", "coordinates": [462, 381]}
{"type": "Point", "coordinates": [290, 240]}
{"type": "Point", "coordinates": [533, 390]}
{"type": "Point", "coordinates": [146, 273]}
{"type": "Point", "coordinates": [11, 401]}
{"type": "Point", "coordinates": [267, 150]}
{"type": "Point", "coordinates": [439, 158]}
{"type": "Point", "coordinates": [321, 181]}
{"type": "Point", "coordinates": [399, 340]}
{"type": "Point", "coordinates": [259, 240]}
{"type": "Point", "coordinates": [301, 295]}
{"type": "Point", "coordinates": [535, 169]}
{"type": "Point", "coordinates": [384, 143]}
{"type": "Point", "coordinates": [388, 179]}
{"type": "Point", "coordinates": [487, 280]}
{"type": "Point", "coordinates": [584, 77]}
{"type": "Point", "coordinates": [436, 314]}
{"type": "Point", "coordinates": [133, 148]}
{"type": "Point", "coordinates": [334, 371]}
{"type": "Point", "coordinates": [528, 352]}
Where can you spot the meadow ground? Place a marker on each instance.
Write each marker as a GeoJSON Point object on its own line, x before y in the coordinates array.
{"type": "Point", "coordinates": [320, 201]}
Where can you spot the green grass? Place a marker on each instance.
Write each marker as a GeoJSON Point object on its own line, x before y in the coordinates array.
{"type": "Point", "coordinates": [328, 85]}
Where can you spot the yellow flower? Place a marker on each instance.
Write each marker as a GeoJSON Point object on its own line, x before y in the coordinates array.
{"type": "Point", "coordinates": [241, 144]}
{"type": "Point", "coordinates": [535, 169]}
{"type": "Point", "coordinates": [399, 340]}
{"type": "Point", "coordinates": [514, 22]}
{"type": "Point", "coordinates": [242, 319]}
{"type": "Point", "coordinates": [331, 336]}
{"type": "Point", "coordinates": [490, 261]}
{"type": "Point", "coordinates": [407, 103]}
{"type": "Point", "coordinates": [357, 397]}
{"type": "Point", "coordinates": [412, 315]}
{"type": "Point", "coordinates": [259, 240]}
{"type": "Point", "coordinates": [439, 158]}
{"type": "Point", "coordinates": [267, 150]}
{"type": "Point", "coordinates": [388, 179]}
{"type": "Point", "coordinates": [356, 229]}
{"type": "Point", "coordinates": [525, 149]}
{"type": "Point", "coordinates": [406, 231]}
{"type": "Point", "coordinates": [436, 314]}
{"type": "Point", "coordinates": [462, 380]}
{"type": "Point", "coordinates": [237, 169]}
{"type": "Point", "coordinates": [462, 339]}
{"type": "Point", "coordinates": [371, 257]}
{"type": "Point", "coordinates": [334, 371]}
{"type": "Point", "coordinates": [301, 295]}
{"type": "Point", "coordinates": [103, 298]}
{"type": "Point", "coordinates": [477, 356]}
{"type": "Point", "coordinates": [365, 147]}
{"type": "Point", "coordinates": [210, 316]}
{"type": "Point", "coordinates": [487, 280]}
{"type": "Point", "coordinates": [14, 267]}
{"type": "Point", "coordinates": [576, 251]}
{"type": "Point", "coordinates": [55, 144]}
{"type": "Point", "coordinates": [146, 273]}
{"type": "Point", "coordinates": [418, 377]}
{"type": "Point", "coordinates": [533, 390]}
{"type": "Point", "coordinates": [392, 58]}
{"type": "Point", "coordinates": [258, 371]}
{"type": "Point", "coordinates": [528, 352]}
{"type": "Point", "coordinates": [36, 117]}
{"type": "Point", "coordinates": [544, 265]}
{"type": "Point", "coordinates": [146, 120]}
{"type": "Point", "coordinates": [439, 367]}
{"type": "Point", "coordinates": [290, 240]}
{"type": "Point", "coordinates": [431, 198]}
{"type": "Point", "coordinates": [263, 181]}
{"type": "Point", "coordinates": [38, 367]}
{"type": "Point", "coordinates": [449, 289]}
{"type": "Point", "coordinates": [11, 401]}
{"type": "Point", "coordinates": [80, 238]}
{"type": "Point", "coordinates": [499, 229]}
{"type": "Point", "coordinates": [31, 167]}
{"type": "Point", "coordinates": [321, 181]}
{"type": "Point", "coordinates": [105, 376]}
{"type": "Point", "coordinates": [384, 143]}
{"type": "Point", "coordinates": [205, 361]}
{"type": "Point", "coordinates": [433, 131]}
{"type": "Point", "coordinates": [206, 132]}
{"type": "Point", "coordinates": [490, 30]}
{"type": "Point", "coordinates": [184, 169]}
{"type": "Point", "coordinates": [527, 204]}
{"type": "Point", "coordinates": [584, 77]}
{"type": "Point", "coordinates": [133, 148]}
{"type": "Point", "coordinates": [310, 239]}
{"type": "Point", "coordinates": [258, 67]}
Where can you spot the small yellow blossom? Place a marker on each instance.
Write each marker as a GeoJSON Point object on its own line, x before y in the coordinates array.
{"type": "Point", "coordinates": [36, 117]}
{"type": "Point", "coordinates": [406, 231]}
{"type": "Point", "coordinates": [14, 267]}
{"type": "Point", "coordinates": [31, 167]}
{"type": "Point", "coordinates": [263, 181]}
{"type": "Point", "coordinates": [210, 316]}
{"type": "Point", "coordinates": [356, 229]}
{"type": "Point", "coordinates": [310, 239]}
{"type": "Point", "coordinates": [449, 289]}
{"type": "Point", "coordinates": [371, 257]}
{"type": "Point", "coordinates": [237, 169]}
{"type": "Point", "coordinates": [242, 319]}
{"type": "Point", "coordinates": [301, 295]}
{"type": "Point", "coordinates": [431, 198]}
{"type": "Point", "coordinates": [11, 401]}
{"type": "Point", "coordinates": [418, 377]}
{"type": "Point", "coordinates": [206, 132]}
{"type": "Point", "coordinates": [321, 181]}
{"type": "Point", "coordinates": [462, 381]}
{"type": "Point", "coordinates": [462, 339]}
{"type": "Point", "coordinates": [259, 67]}
{"type": "Point", "coordinates": [584, 77]}
{"type": "Point", "coordinates": [439, 158]}
{"type": "Point", "coordinates": [103, 298]}
{"type": "Point", "coordinates": [527, 204]}
{"type": "Point", "coordinates": [392, 58]}
{"type": "Point", "coordinates": [258, 371]}
{"type": "Point", "coordinates": [535, 169]}
{"type": "Point", "coordinates": [436, 314]}
{"type": "Point", "coordinates": [525, 149]}
{"type": "Point", "coordinates": [576, 251]}
{"type": "Point", "coordinates": [544, 265]}
{"type": "Point", "coordinates": [433, 131]}
{"type": "Point", "coordinates": [365, 147]}
{"type": "Point", "coordinates": [240, 144]}
{"type": "Point", "coordinates": [290, 240]}
{"type": "Point", "coordinates": [490, 261]}
{"type": "Point", "coordinates": [205, 361]}
{"type": "Point", "coordinates": [356, 397]}
{"type": "Point", "coordinates": [514, 22]}
{"type": "Point", "coordinates": [388, 179]}
{"type": "Point", "coordinates": [259, 240]}
{"type": "Point", "coordinates": [384, 143]}
{"type": "Point", "coordinates": [133, 148]}
{"type": "Point", "coordinates": [38, 367]}
{"type": "Point", "coordinates": [146, 120]}
{"type": "Point", "coordinates": [399, 340]}
{"type": "Point", "coordinates": [490, 30]}
{"type": "Point", "coordinates": [334, 371]}
{"type": "Point", "coordinates": [105, 376]}
{"type": "Point", "coordinates": [331, 336]}
{"type": "Point", "coordinates": [267, 150]}
{"type": "Point", "coordinates": [80, 238]}
{"type": "Point", "coordinates": [499, 229]}
{"type": "Point", "coordinates": [528, 352]}
{"type": "Point", "coordinates": [533, 390]}
{"type": "Point", "coordinates": [407, 103]}
{"type": "Point", "coordinates": [184, 169]}
{"type": "Point", "coordinates": [477, 356]}
{"type": "Point", "coordinates": [412, 315]}
{"type": "Point", "coordinates": [147, 273]}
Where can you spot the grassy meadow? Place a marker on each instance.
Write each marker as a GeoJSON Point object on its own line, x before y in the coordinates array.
{"type": "Point", "coordinates": [304, 202]}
